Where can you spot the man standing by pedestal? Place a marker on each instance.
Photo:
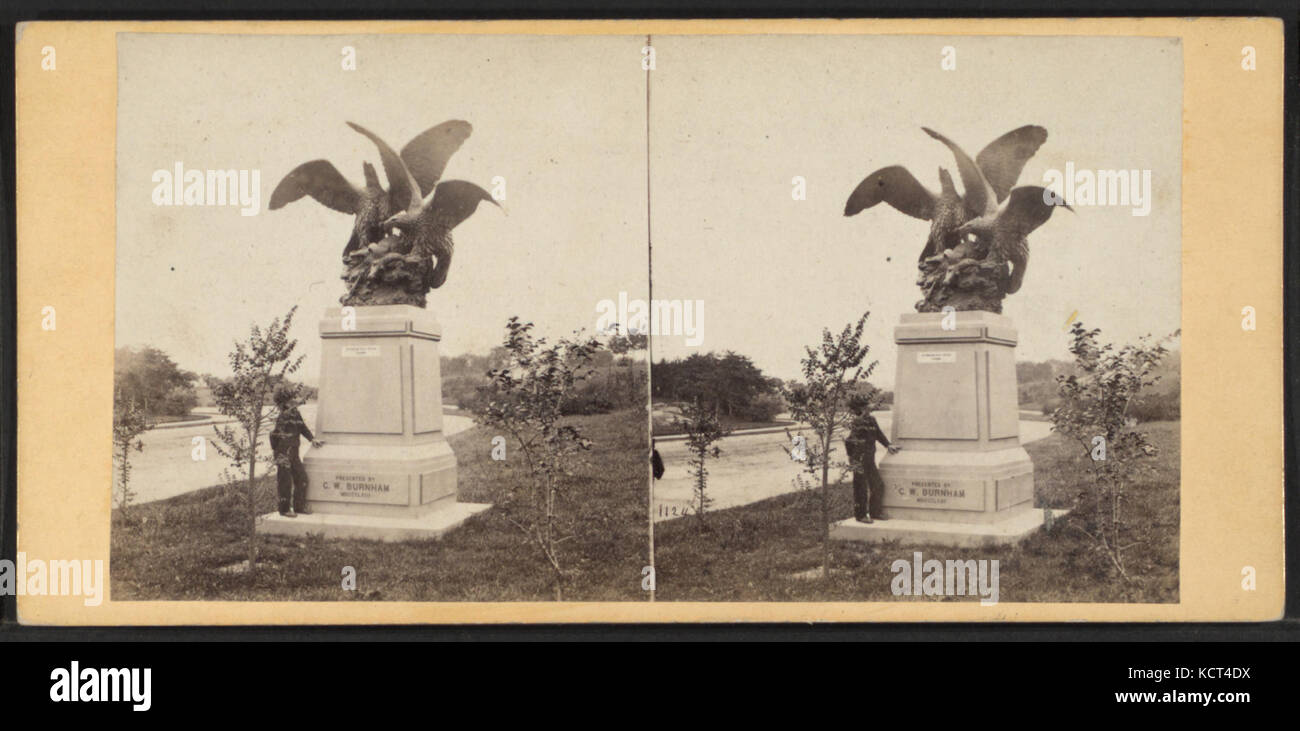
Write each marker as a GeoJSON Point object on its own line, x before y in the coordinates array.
{"type": "Point", "coordinates": [290, 477]}
{"type": "Point", "coordinates": [860, 444]}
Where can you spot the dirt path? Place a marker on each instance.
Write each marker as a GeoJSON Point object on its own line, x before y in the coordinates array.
{"type": "Point", "coordinates": [166, 467]}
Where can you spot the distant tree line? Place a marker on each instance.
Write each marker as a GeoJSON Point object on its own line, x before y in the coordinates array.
{"type": "Point", "coordinates": [1038, 388]}
{"type": "Point", "coordinates": [729, 383]}
{"type": "Point", "coordinates": [148, 378]}
{"type": "Point", "coordinates": [149, 385]}
{"type": "Point", "coordinates": [610, 378]}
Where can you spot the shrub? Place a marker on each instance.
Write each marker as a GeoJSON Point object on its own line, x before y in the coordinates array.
{"type": "Point", "coordinates": [764, 407]}
{"type": "Point", "coordinates": [1156, 407]}
{"type": "Point", "coordinates": [587, 401]}
{"type": "Point", "coordinates": [525, 398]}
{"type": "Point", "coordinates": [1096, 412]}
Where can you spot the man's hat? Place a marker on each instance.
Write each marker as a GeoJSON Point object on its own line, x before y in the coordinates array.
{"type": "Point", "coordinates": [860, 403]}
{"type": "Point", "coordinates": [284, 393]}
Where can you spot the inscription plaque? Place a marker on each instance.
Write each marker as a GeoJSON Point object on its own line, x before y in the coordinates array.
{"type": "Point", "coordinates": [930, 493]}
{"type": "Point", "coordinates": [360, 351]}
{"type": "Point", "coordinates": [363, 487]}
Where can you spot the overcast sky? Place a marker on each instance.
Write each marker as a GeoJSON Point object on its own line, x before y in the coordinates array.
{"type": "Point", "coordinates": [734, 119]}
{"type": "Point", "coordinates": [561, 119]}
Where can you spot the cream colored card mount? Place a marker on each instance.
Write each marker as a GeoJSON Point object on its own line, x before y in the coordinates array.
{"type": "Point", "coordinates": [649, 321]}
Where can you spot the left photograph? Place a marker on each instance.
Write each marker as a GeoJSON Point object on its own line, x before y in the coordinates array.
{"type": "Point", "coordinates": [364, 343]}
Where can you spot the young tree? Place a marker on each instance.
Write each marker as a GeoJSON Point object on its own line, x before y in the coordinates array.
{"type": "Point", "coordinates": [830, 375]}
{"type": "Point", "coordinates": [524, 398]}
{"type": "Point", "coordinates": [128, 424]}
{"type": "Point", "coordinates": [700, 422]}
{"type": "Point", "coordinates": [257, 365]}
{"type": "Point", "coordinates": [1095, 412]}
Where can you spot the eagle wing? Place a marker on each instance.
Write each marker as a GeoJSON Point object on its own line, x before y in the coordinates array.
{"type": "Point", "coordinates": [977, 193]}
{"type": "Point", "coordinates": [897, 187]}
{"type": "Point", "coordinates": [320, 180]}
{"type": "Point", "coordinates": [1004, 158]}
{"type": "Point", "coordinates": [403, 192]}
{"type": "Point", "coordinates": [427, 154]}
{"type": "Point", "coordinates": [1025, 210]}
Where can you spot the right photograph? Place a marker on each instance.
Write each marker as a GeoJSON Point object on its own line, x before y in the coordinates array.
{"type": "Point", "coordinates": [941, 357]}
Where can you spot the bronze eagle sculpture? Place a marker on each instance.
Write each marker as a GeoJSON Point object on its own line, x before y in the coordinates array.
{"type": "Point", "coordinates": [424, 157]}
{"type": "Point", "coordinates": [401, 243]}
{"type": "Point", "coordinates": [985, 227]}
{"type": "Point", "coordinates": [1001, 214]}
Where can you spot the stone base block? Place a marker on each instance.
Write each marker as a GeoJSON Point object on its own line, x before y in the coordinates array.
{"type": "Point", "coordinates": [430, 525]}
{"type": "Point", "coordinates": [381, 480]}
{"type": "Point", "coordinates": [385, 471]}
{"type": "Point", "coordinates": [1010, 530]}
{"type": "Point", "coordinates": [958, 487]}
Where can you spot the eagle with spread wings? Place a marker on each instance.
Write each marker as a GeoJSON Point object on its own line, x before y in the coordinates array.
{"type": "Point", "coordinates": [990, 207]}
{"type": "Point", "coordinates": [399, 232]}
{"type": "Point", "coordinates": [412, 174]}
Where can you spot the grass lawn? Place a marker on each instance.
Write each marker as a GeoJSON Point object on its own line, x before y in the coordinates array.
{"type": "Point", "coordinates": [175, 548]}
{"type": "Point", "coordinates": [764, 551]}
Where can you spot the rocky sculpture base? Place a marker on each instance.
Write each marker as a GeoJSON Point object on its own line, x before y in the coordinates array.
{"type": "Point", "coordinates": [961, 478]}
{"type": "Point", "coordinates": [381, 274]}
{"type": "Point", "coordinates": [963, 280]}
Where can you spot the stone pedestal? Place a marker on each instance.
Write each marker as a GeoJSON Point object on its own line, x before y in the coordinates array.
{"type": "Point", "coordinates": [961, 478]}
{"type": "Point", "coordinates": [386, 471]}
